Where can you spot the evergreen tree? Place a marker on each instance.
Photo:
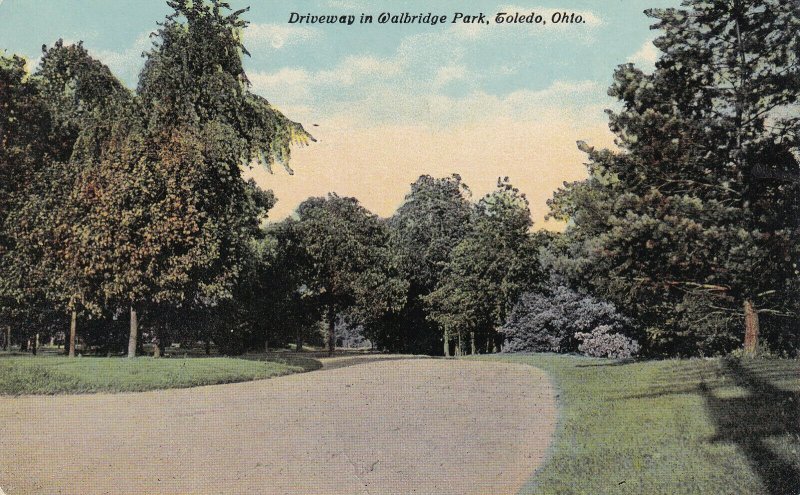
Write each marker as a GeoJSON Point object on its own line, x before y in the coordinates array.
{"type": "Point", "coordinates": [693, 225]}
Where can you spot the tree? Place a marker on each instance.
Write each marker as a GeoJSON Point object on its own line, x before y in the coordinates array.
{"type": "Point", "coordinates": [346, 266]}
{"type": "Point", "coordinates": [74, 97]}
{"type": "Point", "coordinates": [25, 130]}
{"type": "Point", "coordinates": [434, 218]}
{"type": "Point", "coordinates": [487, 271]}
{"type": "Point", "coordinates": [170, 209]}
{"type": "Point", "coordinates": [693, 225]}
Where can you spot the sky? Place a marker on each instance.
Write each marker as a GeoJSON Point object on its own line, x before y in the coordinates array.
{"type": "Point", "coordinates": [389, 102]}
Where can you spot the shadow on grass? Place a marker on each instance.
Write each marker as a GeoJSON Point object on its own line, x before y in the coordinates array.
{"type": "Point", "coordinates": [749, 422]}
{"type": "Point", "coordinates": [760, 418]}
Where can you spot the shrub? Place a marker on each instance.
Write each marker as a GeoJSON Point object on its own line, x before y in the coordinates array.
{"type": "Point", "coordinates": [548, 322]}
{"type": "Point", "coordinates": [601, 342]}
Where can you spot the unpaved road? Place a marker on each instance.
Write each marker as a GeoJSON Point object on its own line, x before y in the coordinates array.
{"type": "Point", "coordinates": [390, 427]}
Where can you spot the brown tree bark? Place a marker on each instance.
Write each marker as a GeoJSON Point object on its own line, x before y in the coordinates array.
{"type": "Point", "coordinates": [7, 338]}
{"type": "Point", "coordinates": [73, 330]}
{"type": "Point", "coordinates": [473, 350]}
{"type": "Point", "coordinates": [208, 346]}
{"type": "Point", "coordinates": [751, 329]}
{"type": "Point", "coordinates": [134, 333]}
{"type": "Point", "coordinates": [299, 342]}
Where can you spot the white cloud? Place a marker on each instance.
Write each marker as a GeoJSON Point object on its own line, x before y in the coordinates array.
{"type": "Point", "coordinates": [277, 36]}
{"type": "Point", "coordinates": [125, 64]}
{"type": "Point", "coordinates": [646, 57]}
{"type": "Point", "coordinates": [449, 73]}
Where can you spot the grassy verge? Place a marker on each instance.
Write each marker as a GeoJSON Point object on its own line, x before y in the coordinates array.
{"type": "Point", "coordinates": [672, 427]}
{"type": "Point", "coordinates": [59, 375]}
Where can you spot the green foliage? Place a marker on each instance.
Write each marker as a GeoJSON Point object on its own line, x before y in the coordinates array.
{"type": "Point", "coordinates": [340, 250]}
{"type": "Point", "coordinates": [136, 199]}
{"type": "Point", "coordinates": [489, 269]}
{"type": "Point", "coordinates": [698, 212]}
{"type": "Point", "coordinates": [434, 218]}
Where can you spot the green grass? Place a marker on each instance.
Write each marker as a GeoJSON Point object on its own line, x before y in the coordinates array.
{"type": "Point", "coordinates": [60, 375]}
{"type": "Point", "coordinates": [672, 427]}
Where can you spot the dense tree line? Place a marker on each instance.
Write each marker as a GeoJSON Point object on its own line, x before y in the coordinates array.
{"type": "Point", "coordinates": [123, 209]}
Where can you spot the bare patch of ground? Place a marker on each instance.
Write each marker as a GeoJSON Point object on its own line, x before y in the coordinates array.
{"type": "Point", "coordinates": [425, 426]}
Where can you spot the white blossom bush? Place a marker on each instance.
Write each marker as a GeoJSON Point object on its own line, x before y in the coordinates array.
{"type": "Point", "coordinates": [604, 342]}
{"type": "Point", "coordinates": [548, 322]}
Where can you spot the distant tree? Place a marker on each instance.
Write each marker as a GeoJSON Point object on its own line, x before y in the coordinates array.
{"type": "Point", "coordinates": [347, 268]}
{"type": "Point", "coordinates": [434, 218]}
{"type": "Point", "coordinates": [487, 271]}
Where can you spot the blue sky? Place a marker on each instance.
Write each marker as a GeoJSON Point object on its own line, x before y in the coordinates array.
{"type": "Point", "coordinates": [394, 101]}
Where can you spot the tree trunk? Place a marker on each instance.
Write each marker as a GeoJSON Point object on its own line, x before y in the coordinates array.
{"type": "Point", "coordinates": [134, 334]}
{"type": "Point", "coordinates": [157, 343]}
{"type": "Point", "coordinates": [73, 330]}
{"type": "Point", "coordinates": [446, 343]}
{"type": "Point", "coordinates": [460, 348]}
{"type": "Point", "coordinates": [208, 346]}
{"type": "Point", "coordinates": [35, 347]}
{"type": "Point", "coordinates": [7, 339]}
{"type": "Point", "coordinates": [750, 328]}
{"type": "Point", "coordinates": [299, 342]}
{"type": "Point", "coordinates": [331, 331]}
{"type": "Point", "coordinates": [473, 350]}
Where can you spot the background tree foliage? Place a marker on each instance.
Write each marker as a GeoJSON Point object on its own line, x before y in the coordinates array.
{"type": "Point", "coordinates": [346, 266]}
{"type": "Point", "coordinates": [487, 271]}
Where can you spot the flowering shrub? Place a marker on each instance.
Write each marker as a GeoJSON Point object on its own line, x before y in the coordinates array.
{"type": "Point", "coordinates": [601, 342]}
{"type": "Point", "coordinates": [548, 322]}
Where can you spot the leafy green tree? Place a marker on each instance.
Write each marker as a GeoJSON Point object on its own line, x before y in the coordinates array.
{"type": "Point", "coordinates": [347, 268]}
{"type": "Point", "coordinates": [692, 226]}
{"type": "Point", "coordinates": [487, 271]}
{"type": "Point", "coordinates": [169, 208]}
{"type": "Point", "coordinates": [434, 218]}
{"type": "Point", "coordinates": [74, 95]}
{"type": "Point", "coordinates": [25, 130]}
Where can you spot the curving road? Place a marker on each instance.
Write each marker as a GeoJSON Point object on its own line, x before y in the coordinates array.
{"type": "Point", "coordinates": [427, 426]}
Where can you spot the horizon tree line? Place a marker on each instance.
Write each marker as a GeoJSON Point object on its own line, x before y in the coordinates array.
{"type": "Point", "coordinates": [120, 204]}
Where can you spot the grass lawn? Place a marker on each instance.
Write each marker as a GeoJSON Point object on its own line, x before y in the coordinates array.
{"type": "Point", "coordinates": [672, 427]}
{"type": "Point", "coordinates": [60, 375]}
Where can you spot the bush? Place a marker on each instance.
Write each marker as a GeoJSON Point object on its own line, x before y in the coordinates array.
{"type": "Point", "coordinates": [549, 322]}
{"type": "Point", "coordinates": [601, 342]}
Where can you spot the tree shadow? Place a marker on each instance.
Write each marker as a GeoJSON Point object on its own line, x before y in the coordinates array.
{"type": "Point", "coordinates": [750, 421]}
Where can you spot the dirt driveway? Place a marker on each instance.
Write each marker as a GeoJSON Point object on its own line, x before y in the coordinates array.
{"type": "Point", "coordinates": [426, 426]}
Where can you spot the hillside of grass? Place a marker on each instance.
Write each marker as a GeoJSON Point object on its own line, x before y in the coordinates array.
{"type": "Point", "coordinates": [60, 375]}
{"type": "Point", "coordinates": [672, 427]}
